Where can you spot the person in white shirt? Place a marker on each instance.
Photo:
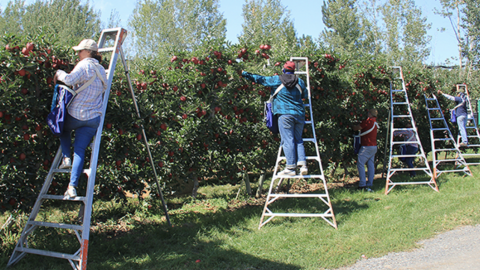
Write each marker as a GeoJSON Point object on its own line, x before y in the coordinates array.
{"type": "Point", "coordinates": [84, 113]}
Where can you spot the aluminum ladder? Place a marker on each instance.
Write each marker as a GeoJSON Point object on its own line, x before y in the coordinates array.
{"type": "Point", "coordinates": [472, 130]}
{"type": "Point", "coordinates": [301, 68]}
{"type": "Point", "coordinates": [441, 134]}
{"type": "Point", "coordinates": [400, 110]}
{"type": "Point", "coordinates": [78, 260]}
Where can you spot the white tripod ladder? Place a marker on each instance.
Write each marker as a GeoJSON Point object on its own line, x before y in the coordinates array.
{"type": "Point", "coordinates": [301, 64]}
{"type": "Point", "coordinates": [472, 131]}
{"type": "Point", "coordinates": [78, 260]}
{"type": "Point", "coordinates": [441, 134]}
{"type": "Point", "coordinates": [400, 110]}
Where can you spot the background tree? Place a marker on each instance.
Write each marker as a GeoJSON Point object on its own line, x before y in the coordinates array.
{"type": "Point", "coordinates": [343, 33]}
{"type": "Point", "coordinates": [70, 20]}
{"type": "Point", "coordinates": [406, 36]}
{"type": "Point", "coordinates": [162, 27]}
{"type": "Point", "coordinates": [471, 24]}
{"type": "Point", "coordinates": [453, 10]}
{"type": "Point", "coordinates": [268, 22]}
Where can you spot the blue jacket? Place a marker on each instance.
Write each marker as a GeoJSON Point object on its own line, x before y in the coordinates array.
{"type": "Point", "coordinates": [289, 99]}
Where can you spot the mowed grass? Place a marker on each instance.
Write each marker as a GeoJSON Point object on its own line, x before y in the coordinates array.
{"type": "Point", "coordinates": [219, 232]}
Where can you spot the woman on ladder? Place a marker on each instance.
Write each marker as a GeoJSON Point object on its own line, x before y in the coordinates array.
{"type": "Point", "coordinates": [84, 113]}
{"type": "Point", "coordinates": [460, 112]}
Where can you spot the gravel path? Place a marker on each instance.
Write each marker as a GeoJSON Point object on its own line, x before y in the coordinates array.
{"type": "Point", "coordinates": [454, 250]}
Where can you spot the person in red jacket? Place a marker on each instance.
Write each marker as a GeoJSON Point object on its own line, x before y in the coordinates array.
{"type": "Point", "coordinates": [368, 128]}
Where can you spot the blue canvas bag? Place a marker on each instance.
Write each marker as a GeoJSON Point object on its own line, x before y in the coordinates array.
{"type": "Point", "coordinates": [62, 98]}
{"type": "Point", "coordinates": [453, 116]}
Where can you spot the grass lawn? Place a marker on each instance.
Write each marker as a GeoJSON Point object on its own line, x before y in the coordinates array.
{"type": "Point", "coordinates": [218, 232]}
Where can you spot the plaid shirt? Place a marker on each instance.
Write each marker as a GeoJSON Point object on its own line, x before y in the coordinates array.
{"type": "Point", "coordinates": [287, 101]}
{"type": "Point", "coordinates": [88, 103]}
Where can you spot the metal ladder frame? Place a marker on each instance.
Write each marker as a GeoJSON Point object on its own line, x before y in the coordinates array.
{"type": "Point", "coordinates": [272, 196]}
{"type": "Point", "coordinates": [476, 134]}
{"type": "Point", "coordinates": [439, 118]}
{"type": "Point", "coordinates": [78, 260]}
{"type": "Point", "coordinates": [389, 184]}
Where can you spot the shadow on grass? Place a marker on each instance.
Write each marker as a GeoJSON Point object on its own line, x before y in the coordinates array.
{"type": "Point", "coordinates": [196, 241]}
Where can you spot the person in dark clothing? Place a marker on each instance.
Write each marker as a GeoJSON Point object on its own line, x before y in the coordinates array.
{"type": "Point", "coordinates": [288, 106]}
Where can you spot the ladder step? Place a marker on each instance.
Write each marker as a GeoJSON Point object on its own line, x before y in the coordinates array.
{"type": "Point", "coordinates": [108, 49]}
{"type": "Point", "coordinates": [299, 176]}
{"type": "Point", "coordinates": [403, 129]}
{"type": "Point", "coordinates": [433, 109]}
{"type": "Point", "coordinates": [444, 139]}
{"type": "Point", "coordinates": [302, 195]}
{"type": "Point", "coordinates": [409, 169]}
{"type": "Point", "coordinates": [48, 253]}
{"type": "Point", "coordinates": [437, 129]}
{"type": "Point", "coordinates": [400, 103]}
{"type": "Point", "coordinates": [398, 90]}
{"type": "Point", "coordinates": [433, 119]}
{"type": "Point", "coordinates": [301, 72]}
{"type": "Point", "coordinates": [448, 160]}
{"type": "Point", "coordinates": [308, 122]}
{"type": "Point", "coordinates": [62, 198]}
{"type": "Point", "coordinates": [405, 142]}
{"type": "Point", "coordinates": [402, 116]}
{"type": "Point", "coordinates": [308, 140]}
{"type": "Point", "coordinates": [402, 156]}
{"type": "Point", "coordinates": [56, 225]}
{"type": "Point", "coordinates": [445, 150]}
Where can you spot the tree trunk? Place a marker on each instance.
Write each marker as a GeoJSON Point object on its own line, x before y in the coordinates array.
{"type": "Point", "coordinates": [260, 184]}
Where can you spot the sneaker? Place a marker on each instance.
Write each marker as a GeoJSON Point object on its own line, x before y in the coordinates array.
{"type": "Point", "coordinates": [463, 144]}
{"type": "Point", "coordinates": [303, 170]}
{"type": "Point", "coordinates": [66, 163]}
{"type": "Point", "coordinates": [367, 189]}
{"type": "Point", "coordinates": [70, 193]}
{"type": "Point", "coordinates": [287, 172]}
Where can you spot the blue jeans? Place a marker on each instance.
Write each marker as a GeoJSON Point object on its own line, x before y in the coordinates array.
{"type": "Point", "coordinates": [462, 127]}
{"type": "Point", "coordinates": [366, 156]}
{"type": "Point", "coordinates": [411, 150]}
{"type": "Point", "coordinates": [84, 132]}
{"type": "Point", "coordinates": [291, 129]}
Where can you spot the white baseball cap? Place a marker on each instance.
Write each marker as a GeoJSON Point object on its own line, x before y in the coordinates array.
{"type": "Point", "coordinates": [87, 44]}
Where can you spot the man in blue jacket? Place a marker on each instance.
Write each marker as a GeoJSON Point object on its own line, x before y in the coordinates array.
{"type": "Point", "coordinates": [288, 106]}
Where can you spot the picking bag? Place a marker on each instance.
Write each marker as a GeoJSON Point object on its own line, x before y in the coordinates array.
{"type": "Point", "coordinates": [62, 98]}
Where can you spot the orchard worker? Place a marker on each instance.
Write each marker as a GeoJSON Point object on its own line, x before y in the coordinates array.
{"type": "Point", "coordinates": [408, 135]}
{"type": "Point", "coordinates": [366, 155]}
{"type": "Point", "coordinates": [460, 109]}
{"type": "Point", "coordinates": [288, 106]}
{"type": "Point", "coordinates": [85, 111]}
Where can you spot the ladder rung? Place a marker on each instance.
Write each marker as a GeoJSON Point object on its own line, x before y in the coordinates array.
{"type": "Point", "coordinates": [436, 119]}
{"type": "Point", "coordinates": [56, 225]}
{"type": "Point", "coordinates": [308, 122]}
{"type": "Point", "coordinates": [400, 103]}
{"type": "Point", "coordinates": [398, 90]}
{"type": "Point", "coordinates": [433, 109]}
{"type": "Point", "coordinates": [443, 139]}
{"type": "Point", "coordinates": [48, 253]}
{"type": "Point", "coordinates": [301, 72]}
{"type": "Point", "coordinates": [409, 169]}
{"type": "Point", "coordinates": [402, 116]}
{"type": "Point", "coordinates": [308, 140]}
{"type": "Point", "coordinates": [437, 129]}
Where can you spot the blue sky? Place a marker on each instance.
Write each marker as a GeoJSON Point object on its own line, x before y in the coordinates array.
{"type": "Point", "coordinates": [307, 18]}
